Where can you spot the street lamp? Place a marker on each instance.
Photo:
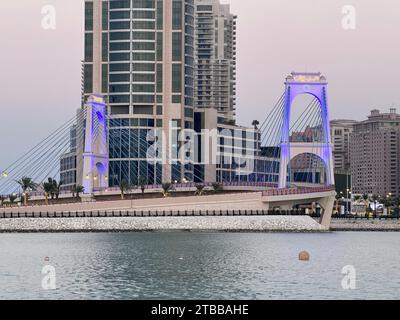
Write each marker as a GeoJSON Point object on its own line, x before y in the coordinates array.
{"type": "Point", "coordinates": [388, 202]}
{"type": "Point", "coordinates": [343, 202]}
{"type": "Point", "coordinates": [347, 200]}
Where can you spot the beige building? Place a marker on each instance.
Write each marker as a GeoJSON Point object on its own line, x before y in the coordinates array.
{"type": "Point", "coordinates": [340, 137]}
{"type": "Point", "coordinates": [375, 154]}
{"type": "Point", "coordinates": [215, 56]}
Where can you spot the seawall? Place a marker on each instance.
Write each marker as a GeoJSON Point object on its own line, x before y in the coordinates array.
{"type": "Point", "coordinates": [132, 224]}
{"type": "Point", "coordinates": [365, 225]}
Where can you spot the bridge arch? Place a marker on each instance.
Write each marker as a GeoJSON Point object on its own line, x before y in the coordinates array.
{"type": "Point", "coordinates": [307, 168]}
{"type": "Point", "coordinates": [313, 84]}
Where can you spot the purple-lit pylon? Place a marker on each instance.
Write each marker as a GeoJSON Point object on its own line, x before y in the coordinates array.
{"type": "Point", "coordinates": [314, 84]}
{"type": "Point", "coordinates": [95, 155]}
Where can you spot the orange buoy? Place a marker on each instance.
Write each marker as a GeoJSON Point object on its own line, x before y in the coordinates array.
{"type": "Point", "coordinates": [304, 256]}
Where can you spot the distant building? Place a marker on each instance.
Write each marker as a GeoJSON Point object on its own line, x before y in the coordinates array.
{"type": "Point", "coordinates": [231, 152]}
{"type": "Point", "coordinates": [215, 49]}
{"type": "Point", "coordinates": [68, 163]}
{"type": "Point", "coordinates": [375, 154]}
{"type": "Point", "coordinates": [340, 136]}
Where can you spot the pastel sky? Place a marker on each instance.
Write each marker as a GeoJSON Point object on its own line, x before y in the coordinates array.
{"type": "Point", "coordinates": [40, 71]}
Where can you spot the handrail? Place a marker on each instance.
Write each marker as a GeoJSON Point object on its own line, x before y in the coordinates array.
{"type": "Point", "coordinates": [273, 192]}
{"type": "Point", "coordinates": [295, 191]}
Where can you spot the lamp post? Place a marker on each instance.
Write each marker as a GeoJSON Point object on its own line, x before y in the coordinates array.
{"type": "Point", "coordinates": [343, 203]}
{"type": "Point", "coordinates": [388, 202]}
{"type": "Point", "coordinates": [351, 201]}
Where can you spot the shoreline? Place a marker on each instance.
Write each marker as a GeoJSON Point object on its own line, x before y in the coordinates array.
{"type": "Point", "coordinates": [192, 224]}
{"type": "Point", "coordinates": [234, 224]}
{"type": "Point", "coordinates": [372, 225]}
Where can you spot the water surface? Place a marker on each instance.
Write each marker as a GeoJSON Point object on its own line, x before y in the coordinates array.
{"type": "Point", "coordinates": [199, 265]}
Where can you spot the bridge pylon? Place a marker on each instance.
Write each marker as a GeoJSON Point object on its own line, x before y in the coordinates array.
{"type": "Point", "coordinates": [95, 155]}
{"type": "Point", "coordinates": [314, 84]}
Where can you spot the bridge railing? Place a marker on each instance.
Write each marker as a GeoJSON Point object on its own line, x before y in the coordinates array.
{"type": "Point", "coordinates": [182, 186]}
{"type": "Point", "coordinates": [193, 185]}
{"type": "Point", "coordinates": [295, 191]}
{"type": "Point", "coordinates": [148, 213]}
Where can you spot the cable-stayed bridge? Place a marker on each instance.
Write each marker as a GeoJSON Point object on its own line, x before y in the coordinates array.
{"type": "Point", "coordinates": [291, 152]}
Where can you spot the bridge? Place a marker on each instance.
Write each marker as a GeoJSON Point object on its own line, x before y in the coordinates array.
{"type": "Point", "coordinates": [76, 158]}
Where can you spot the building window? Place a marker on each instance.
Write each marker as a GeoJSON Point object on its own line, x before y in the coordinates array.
{"type": "Point", "coordinates": [89, 16]}
{"type": "Point", "coordinates": [177, 15]}
{"type": "Point", "coordinates": [176, 78]}
{"type": "Point", "coordinates": [88, 47]}
{"type": "Point", "coordinates": [176, 46]}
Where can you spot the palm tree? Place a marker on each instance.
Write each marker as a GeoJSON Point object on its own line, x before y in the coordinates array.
{"type": "Point", "coordinates": [56, 188]}
{"type": "Point", "coordinates": [217, 187]}
{"type": "Point", "coordinates": [200, 189]}
{"type": "Point", "coordinates": [78, 189]}
{"type": "Point", "coordinates": [255, 124]}
{"type": "Point", "coordinates": [142, 183]}
{"type": "Point", "coordinates": [12, 197]}
{"type": "Point", "coordinates": [166, 188]}
{"type": "Point", "coordinates": [27, 185]}
{"type": "Point", "coordinates": [48, 188]}
{"type": "Point", "coordinates": [123, 186]}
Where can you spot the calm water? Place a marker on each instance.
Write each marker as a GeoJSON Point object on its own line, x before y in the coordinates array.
{"type": "Point", "coordinates": [199, 265]}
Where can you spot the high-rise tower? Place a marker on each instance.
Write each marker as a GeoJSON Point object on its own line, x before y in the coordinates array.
{"type": "Point", "coordinates": [215, 47]}
{"type": "Point", "coordinates": [139, 54]}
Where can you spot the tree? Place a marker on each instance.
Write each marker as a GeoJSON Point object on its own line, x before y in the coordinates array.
{"type": "Point", "coordinates": [2, 198]}
{"type": "Point", "coordinates": [12, 197]}
{"type": "Point", "coordinates": [78, 189]}
{"type": "Point", "coordinates": [200, 189]}
{"type": "Point", "coordinates": [142, 183]}
{"type": "Point", "coordinates": [56, 188]}
{"type": "Point", "coordinates": [48, 188]}
{"type": "Point", "coordinates": [167, 187]}
{"type": "Point", "coordinates": [124, 187]}
{"type": "Point", "coordinates": [27, 185]}
{"type": "Point", "coordinates": [217, 187]}
{"type": "Point", "coordinates": [255, 124]}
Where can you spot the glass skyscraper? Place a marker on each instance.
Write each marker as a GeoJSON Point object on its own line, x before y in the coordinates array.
{"type": "Point", "coordinates": [139, 54]}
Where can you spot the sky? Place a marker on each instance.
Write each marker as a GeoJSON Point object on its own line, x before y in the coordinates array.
{"type": "Point", "coordinates": [40, 70]}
